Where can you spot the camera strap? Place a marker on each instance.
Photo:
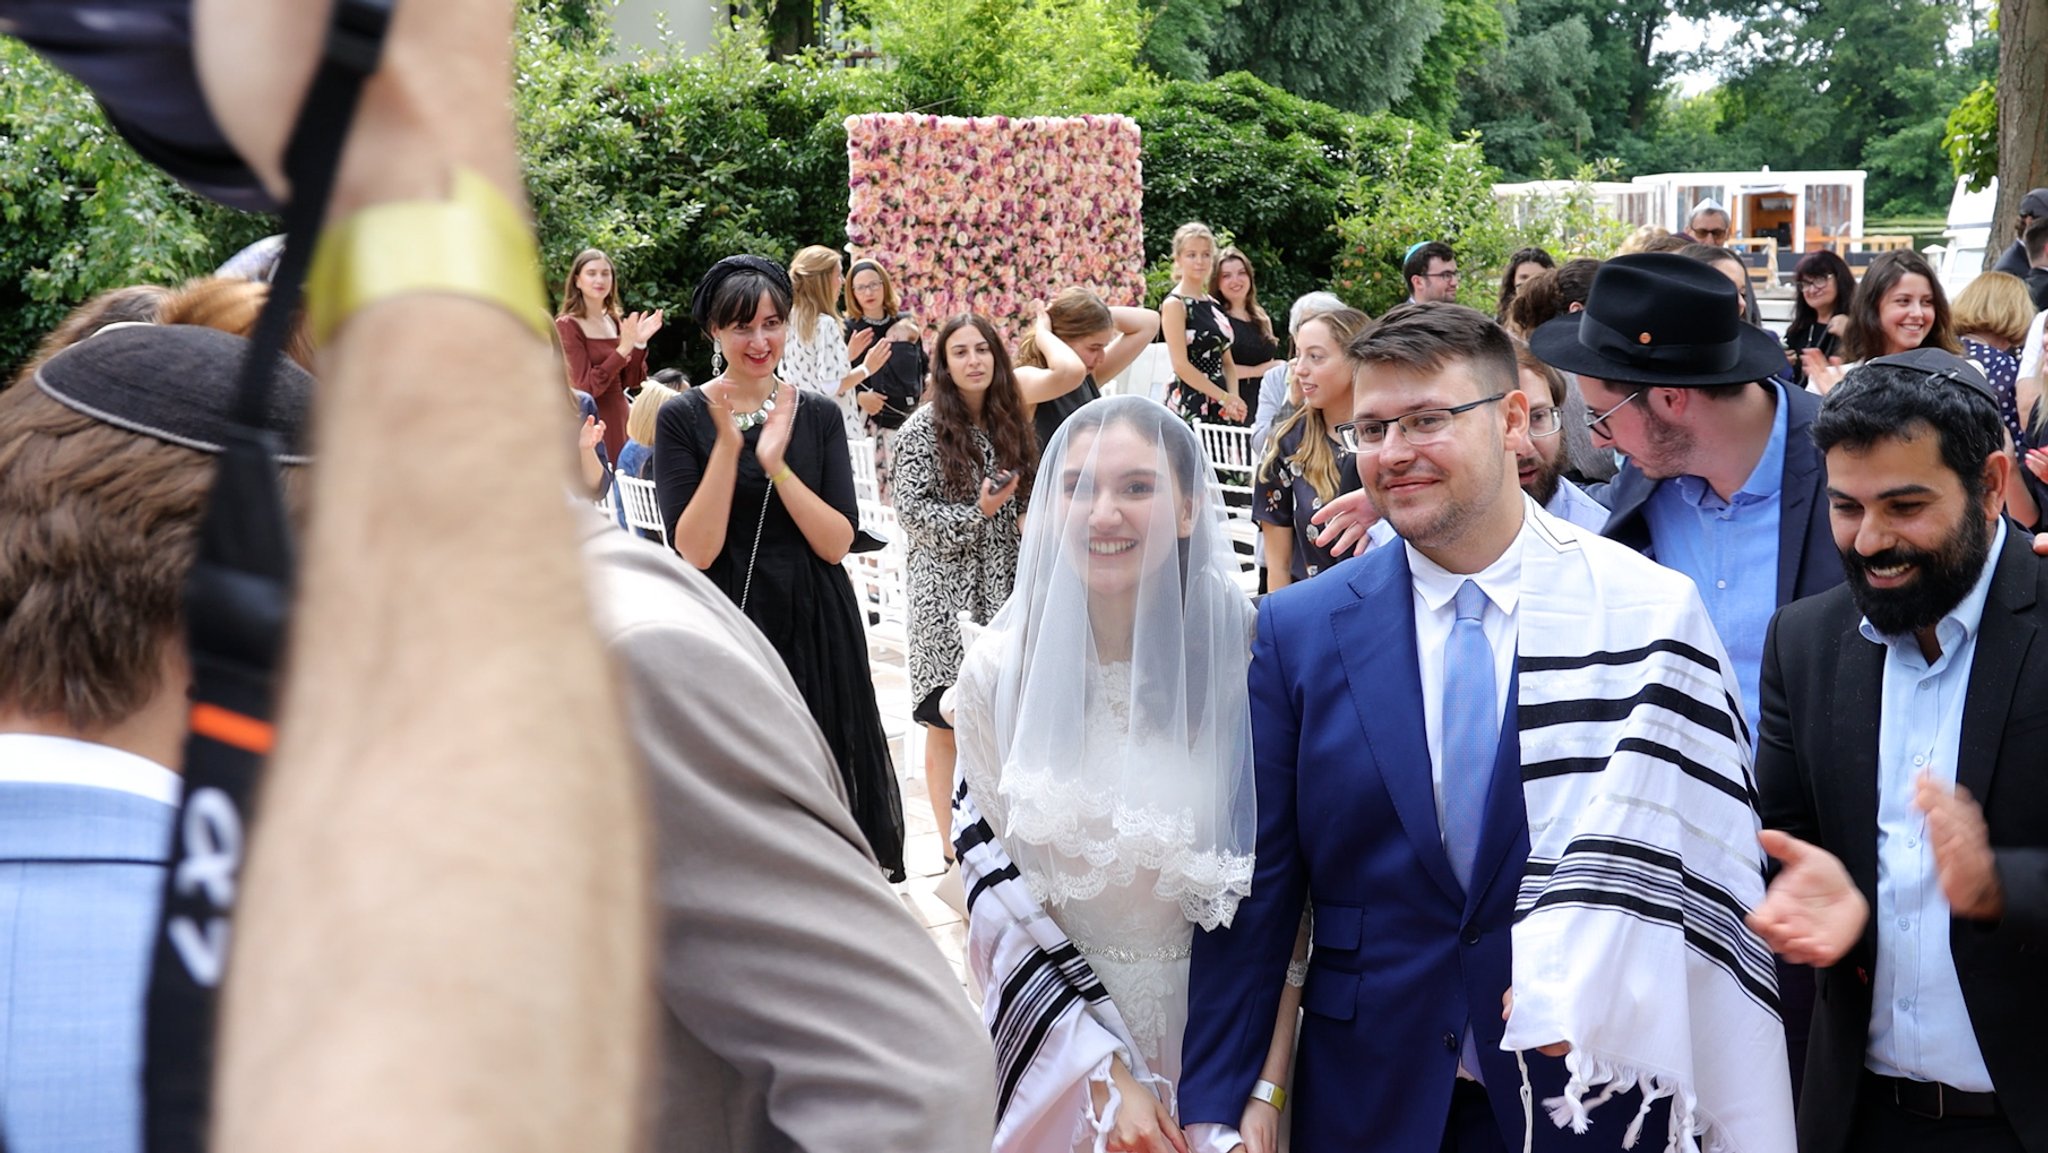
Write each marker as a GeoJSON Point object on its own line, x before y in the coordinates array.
{"type": "Point", "coordinates": [237, 608]}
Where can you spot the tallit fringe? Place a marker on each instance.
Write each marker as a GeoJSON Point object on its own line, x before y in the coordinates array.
{"type": "Point", "coordinates": [1092, 1132]}
{"type": "Point", "coordinates": [1689, 1133]}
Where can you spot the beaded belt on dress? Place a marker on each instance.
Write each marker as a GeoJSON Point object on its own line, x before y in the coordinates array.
{"type": "Point", "coordinates": [1133, 956]}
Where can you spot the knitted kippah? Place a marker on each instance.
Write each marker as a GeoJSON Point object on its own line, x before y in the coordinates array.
{"type": "Point", "coordinates": [176, 383]}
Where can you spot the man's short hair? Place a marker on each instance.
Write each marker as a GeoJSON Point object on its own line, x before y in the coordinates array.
{"type": "Point", "coordinates": [1526, 360]}
{"type": "Point", "coordinates": [1886, 402]}
{"type": "Point", "coordinates": [1419, 257]}
{"type": "Point", "coordinates": [2037, 240]}
{"type": "Point", "coordinates": [1707, 205]}
{"type": "Point", "coordinates": [102, 531]}
{"type": "Point", "coordinates": [1575, 280]}
{"type": "Point", "coordinates": [102, 528]}
{"type": "Point", "coordinates": [1429, 337]}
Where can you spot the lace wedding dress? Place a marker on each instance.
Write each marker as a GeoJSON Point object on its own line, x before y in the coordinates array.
{"type": "Point", "coordinates": [1106, 851]}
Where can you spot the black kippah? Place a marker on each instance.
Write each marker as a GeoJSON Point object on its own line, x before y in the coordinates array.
{"type": "Point", "coordinates": [700, 300]}
{"type": "Point", "coordinates": [175, 382]}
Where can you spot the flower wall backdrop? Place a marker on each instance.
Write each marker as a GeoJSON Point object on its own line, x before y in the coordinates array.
{"type": "Point", "coordinates": [987, 214]}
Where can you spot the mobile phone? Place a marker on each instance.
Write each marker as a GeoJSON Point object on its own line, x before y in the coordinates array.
{"type": "Point", "coordinates": [1002, 477]}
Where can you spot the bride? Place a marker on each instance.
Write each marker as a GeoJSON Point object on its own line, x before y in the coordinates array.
{"type": "Point", "coordinates": [1104, 807]}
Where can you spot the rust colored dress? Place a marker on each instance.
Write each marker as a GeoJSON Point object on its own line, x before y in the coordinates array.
{"type": "Point", "coordinates": [596, 367]}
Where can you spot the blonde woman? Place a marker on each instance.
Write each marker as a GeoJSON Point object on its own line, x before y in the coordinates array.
{"type": "Point", "coordinates": [1305, 466]}
{"type": "Point", "coordinates": [1198, 335]}
{"type": "Point", "coordinates": [818, 353]}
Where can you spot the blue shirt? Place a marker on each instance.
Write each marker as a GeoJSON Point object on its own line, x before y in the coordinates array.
{"type": "Point", "coordinates": [1730, 550]}
{"type": "Point", "coordinates": [1919, 1027]}
{"type": "Point", "coordinates": [84, 833]}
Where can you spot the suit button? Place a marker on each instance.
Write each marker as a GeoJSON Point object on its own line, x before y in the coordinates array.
{"type": "Point", "coordinates": [1450, 1042]}
{"type": "Point", "coordinates": [1471, 936]}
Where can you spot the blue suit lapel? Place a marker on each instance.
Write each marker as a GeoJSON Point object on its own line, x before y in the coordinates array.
{"type": "Point", "coordinates": [1375, 637]}
{"type": "Point", "coordinates": [1796, 496]}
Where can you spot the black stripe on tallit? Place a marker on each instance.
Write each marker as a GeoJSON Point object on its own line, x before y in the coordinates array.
{"type": "Point", "coordinates": [1708, 716]}
{"type": "Point", "coordinates": [1042, 990]}
{"type": "Point", "coordinates": [1704, 774]}
{"type": "Point", "coordinates": [1530, 664]}
{"type": "Point", "coordinates": [1597, 872]}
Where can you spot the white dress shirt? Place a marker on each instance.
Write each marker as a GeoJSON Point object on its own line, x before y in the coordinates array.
{"type": "Point", "coordinates": [1919, 1026]}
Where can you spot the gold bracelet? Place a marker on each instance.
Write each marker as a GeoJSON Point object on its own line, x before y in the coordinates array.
{"type": "Point", "coordinates": [474, 244]}
{"type": "Point", "coordinates": [781, 474]}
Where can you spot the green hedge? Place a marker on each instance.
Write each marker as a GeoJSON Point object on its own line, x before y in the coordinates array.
{"type": "Point", "coordinates": [80, 212]}
{"type": "Point", "coordinates": [670, 163]}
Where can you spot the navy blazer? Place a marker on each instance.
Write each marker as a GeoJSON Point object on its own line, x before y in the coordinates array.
{"type": "Point", "coordinates": [1347, 819]}
{"type": "Point", "coordinates": [1808, 562]}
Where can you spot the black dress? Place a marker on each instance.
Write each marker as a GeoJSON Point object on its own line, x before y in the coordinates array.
{"type": "Point", "coordinates": [1053, 413]}
{"type": "Point", "coordinates": [1249, 348]}
{"type": "Point", "coordinates": [901, 380]}
{"type": "Point", "coordinates": [1208, 340]}
{"type": "Point", "coordinates": [802, 603]}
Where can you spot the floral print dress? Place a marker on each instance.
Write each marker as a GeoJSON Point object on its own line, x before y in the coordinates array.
{"type": "Point", "coordinates": [1208, 339]}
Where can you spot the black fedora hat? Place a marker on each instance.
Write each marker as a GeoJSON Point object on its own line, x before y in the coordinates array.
{"type": "Point", "coordinates": [1661, 319]}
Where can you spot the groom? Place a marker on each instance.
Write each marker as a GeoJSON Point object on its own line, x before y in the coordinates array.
{"type": "Point", "coordinates": [1404, 756]}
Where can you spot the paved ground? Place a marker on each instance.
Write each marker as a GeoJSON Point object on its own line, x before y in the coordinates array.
{"type": "Point", "coordinates": [932, 892]}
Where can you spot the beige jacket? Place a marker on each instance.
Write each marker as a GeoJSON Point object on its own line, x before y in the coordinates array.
{"type": "Point", "coordinates": [805, 1009]}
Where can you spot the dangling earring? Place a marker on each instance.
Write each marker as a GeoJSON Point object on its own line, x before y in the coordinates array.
{"type": "Point", "coordinates": [717, 361]}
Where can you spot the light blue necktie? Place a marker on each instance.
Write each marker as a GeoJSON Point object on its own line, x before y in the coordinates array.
{"type": "Point", "coordinates": [1471, 713]}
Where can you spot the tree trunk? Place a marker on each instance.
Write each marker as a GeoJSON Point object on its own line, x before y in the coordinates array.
{"type": "Point", "coordinates": [2022, 113]}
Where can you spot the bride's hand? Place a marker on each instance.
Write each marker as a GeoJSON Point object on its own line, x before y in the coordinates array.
{"type": "Point", "coordinates": [1142, 1124]}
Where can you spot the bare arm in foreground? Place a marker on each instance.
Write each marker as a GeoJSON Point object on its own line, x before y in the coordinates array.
{"type": "Point", "coordinates": [442, 943]}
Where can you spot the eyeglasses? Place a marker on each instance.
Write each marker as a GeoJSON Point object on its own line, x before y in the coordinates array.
{"type": "Point", "coordinates": [1814, 285]}
{"type": "Point", "coordinates": [1426, 426]}
{"type": "Point", "coordinates": [1598, 424]}
{"type": "Point", "coordinates": [1544, 421]}
{"type": "Point", "coordinates": [1446, 274]}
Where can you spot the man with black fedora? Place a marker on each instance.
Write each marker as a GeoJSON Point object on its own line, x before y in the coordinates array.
{"type": "Point", "coordinates": [2033, 208]}
{"type": "Point", "coordinates": [1901, 725]}
{"type": "Point", "coordinates": [1722, 482]}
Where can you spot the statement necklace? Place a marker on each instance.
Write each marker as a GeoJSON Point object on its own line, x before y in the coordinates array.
{"type": "Point", "coordinates": [751, 420]}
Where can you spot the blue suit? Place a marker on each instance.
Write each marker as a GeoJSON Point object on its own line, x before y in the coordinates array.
{"type": "Point", "coordinates": [1404, 958]}
{"type": "Point", "coordinates": [81, 881]}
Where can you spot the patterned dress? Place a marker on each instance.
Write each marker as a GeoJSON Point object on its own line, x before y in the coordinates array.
{"type": "Point", "coordinates": [1208, 339]}
{"type": "Point", "coordinates": [960, 560]}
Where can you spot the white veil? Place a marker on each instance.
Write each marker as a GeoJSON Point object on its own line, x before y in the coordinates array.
{"type": "Point", "coordinates": [1118, 706]}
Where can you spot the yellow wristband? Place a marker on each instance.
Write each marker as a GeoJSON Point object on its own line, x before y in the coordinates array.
{"type": "Point", "coordinates": [473, 244]}
{"type": "Point", "coordinates": [781, 474]}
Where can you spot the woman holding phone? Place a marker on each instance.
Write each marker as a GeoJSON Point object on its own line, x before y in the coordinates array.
{"type": "Point", "coordinates": [963, 474]}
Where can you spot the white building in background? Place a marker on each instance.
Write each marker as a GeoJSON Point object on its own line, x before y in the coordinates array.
{"type": "Point", "coordinates": [692, 24]}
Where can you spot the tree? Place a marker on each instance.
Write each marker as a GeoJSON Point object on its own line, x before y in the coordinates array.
{"type": "Point", "coordinates": [1177, 39]}
{"type": "Point", "coordinates": [1358, 55]}
{"type": "Point", "coordinates": [1012, 57]}
{"type": "Point", "coordinates": [1847, 84]}
{"type": "Point", "coordinates": [2022, 108]}
{"type": "Point", "coordinates": [80, 212]}
{"type": "Point", "coordinates": [1971, 138]}
{"type": "Point", "coordinates": [1472, 30]}
{"type": "Point", "coordinates": [1527, 99]}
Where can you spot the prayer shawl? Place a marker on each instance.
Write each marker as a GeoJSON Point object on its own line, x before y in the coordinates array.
{"type": "Point", "coordinates": [1629, 940]}
{"type": "Point", "coordinates": [1053, 1024]}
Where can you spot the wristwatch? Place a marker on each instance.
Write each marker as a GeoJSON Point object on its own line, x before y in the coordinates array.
{"type": "Point", "coordinates": [1270, 1093]}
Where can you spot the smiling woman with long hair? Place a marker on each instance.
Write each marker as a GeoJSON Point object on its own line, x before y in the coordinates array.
{"type": "Point", "coordinates": [964, 465]}
{"type": "Point", "coordinates": [603, 345]}
{"type": "Point", "coordinates": [1106, 806]}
